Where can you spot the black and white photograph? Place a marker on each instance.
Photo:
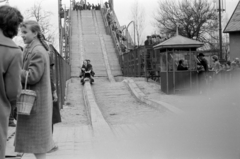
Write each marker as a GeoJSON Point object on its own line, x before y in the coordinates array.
{"type": "Point", "coordinates": [120, 79]}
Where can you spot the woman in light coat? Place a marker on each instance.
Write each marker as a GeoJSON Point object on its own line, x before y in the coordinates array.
{"type": "Point", "coordinates": [34, 132]}
{"type": "Point", "coordinates": [10, 68]}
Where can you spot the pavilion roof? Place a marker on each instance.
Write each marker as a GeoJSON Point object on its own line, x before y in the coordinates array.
{"type": "Point", "coordinates": [179, 41]}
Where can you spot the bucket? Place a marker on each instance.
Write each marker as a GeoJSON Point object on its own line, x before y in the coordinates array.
{"type": "Point", "coordinates": [26, 100]}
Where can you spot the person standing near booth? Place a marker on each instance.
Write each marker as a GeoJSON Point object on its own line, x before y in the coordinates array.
{"type": "Point", "coordinates": [148, 42]}
{"type": "Point", "coordinates": [202, 67]}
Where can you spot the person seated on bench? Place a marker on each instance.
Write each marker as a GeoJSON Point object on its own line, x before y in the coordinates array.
{"type": "Point", "coordinates": [181, 66]}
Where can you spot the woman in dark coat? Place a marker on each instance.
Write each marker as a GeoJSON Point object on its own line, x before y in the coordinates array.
{"type": "Point", "coordinates": [56, 117]}
{"type": "Point", "coordinates": [34, 132]}
{"type": "Point", "coordinates": [10, 68]}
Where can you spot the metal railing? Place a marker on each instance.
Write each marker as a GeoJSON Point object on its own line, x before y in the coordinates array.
{"type": "Point", "coordinates": [113, 35]}
{"type": "Point", "coordinates": [133, 63]}
{"type": "Point", "coordinates": [129, 42]}
{"type": "Point", "coordinates": [141, 62]}
{"type": "Point", "coordinates": [70, 30]}
{"type": "Point", "coordinates": [65, 34]}
{"type": "Point", "coordinates": [61, 73]}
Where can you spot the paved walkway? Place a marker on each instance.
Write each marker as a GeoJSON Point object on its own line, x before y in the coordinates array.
{"type": "Point", "coordinates": [208, 130]}
{"type": "Point", "coordinates": [10, 141]}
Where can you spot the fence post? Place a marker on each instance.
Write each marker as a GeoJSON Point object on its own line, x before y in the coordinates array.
{"type": "Point", "coordinates": [61, 81]}
{"type": "Point", "coordinates": [145, 63]}
{"type": "Point", "coordinates": [57, 76]}
{"type": "Point", "coordinates": [134, 63]}
{"type": "Point", "coordinates": [128, 63]}
{"type": "Point", "coordinates": [139, 62]}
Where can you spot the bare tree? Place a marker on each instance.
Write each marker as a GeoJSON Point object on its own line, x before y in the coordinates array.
{"type": "Point", "coordinates": [195, 19]}
{"type": "Point", "coordinates": [138, 16]}
{"type": "Point", "coordinates": [43, 17]}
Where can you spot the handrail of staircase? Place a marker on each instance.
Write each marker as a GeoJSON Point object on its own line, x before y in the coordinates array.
{"type": "Point", "coordinates": [118, 25]}
{"type": "Point", "coordinates": [104, 15]}
{"type": "Point", "coordinates": [114, 37]}
{"type": "Point", "coordinates": [66, 33]}
{"type": "Point", "coordinates": [132, 22]}
{"type": "Point", "coordinates": [127, 32]}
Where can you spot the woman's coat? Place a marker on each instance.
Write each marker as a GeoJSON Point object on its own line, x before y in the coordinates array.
{"type": "Point", "coordinates": [34, 132]}
{"type": "Point", "coordinates": [10, 84]}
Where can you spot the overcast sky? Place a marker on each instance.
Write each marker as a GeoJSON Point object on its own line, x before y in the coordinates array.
{"type": "Point", "coordinates": [122, 8]}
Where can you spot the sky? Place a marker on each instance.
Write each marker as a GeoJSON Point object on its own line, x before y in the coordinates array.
{"type": "Point", "coordinates": [123, 12]}
{"type": "Point", "coordinates": [122, 9]}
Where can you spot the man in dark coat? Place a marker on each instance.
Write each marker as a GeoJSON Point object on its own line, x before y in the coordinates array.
{"type": "Point", "coordinates": [202, 67]}
{"type": "Point", "coordinates": [10, 69]}
{"type": "Point", "coordinates": [202, 62]}
{"type": "Point", "coordinates": [148, 42]}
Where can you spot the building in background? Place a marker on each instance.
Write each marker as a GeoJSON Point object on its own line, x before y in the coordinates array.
{"type": "Point", "coordinates": [233, 28]}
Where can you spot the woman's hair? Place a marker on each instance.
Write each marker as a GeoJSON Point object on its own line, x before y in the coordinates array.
{"type": "Point", "coordinates": [35, 28]}
{"type": "Point", "coordinates": [10, 18]}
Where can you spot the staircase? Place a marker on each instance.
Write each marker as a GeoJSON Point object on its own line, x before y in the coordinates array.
{"type": "Point", "coordinates": [92, 48]}
{"type": "Point", "coordinates": [75, 45]}
{"type": "Point", "coordinates": [109, 45]}
{"type": "Point", "coordinates": [95, 42]}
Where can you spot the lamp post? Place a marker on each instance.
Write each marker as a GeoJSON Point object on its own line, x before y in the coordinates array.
{"type": "Point", "coordinates": [60, 26]}
{"type": "Point", "coordinates": [220, 31]}
{"type": "Point", "coordinates": [220, 8]}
